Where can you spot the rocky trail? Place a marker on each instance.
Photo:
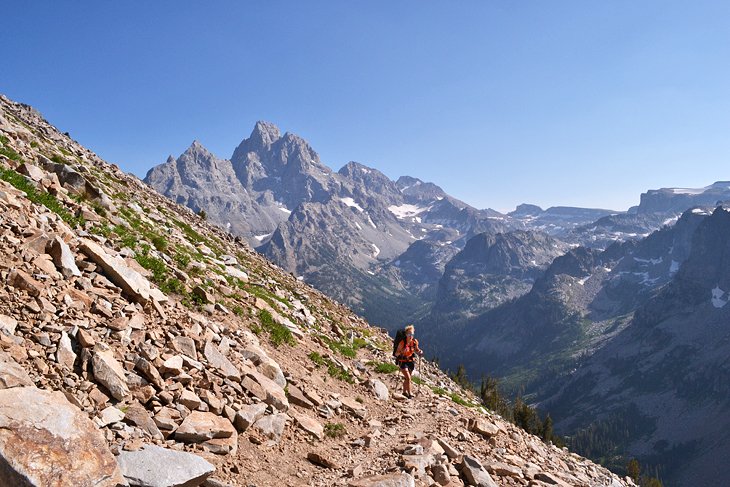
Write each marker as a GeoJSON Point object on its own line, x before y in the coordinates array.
{"type": "Point", "coordinates": [140, 345]}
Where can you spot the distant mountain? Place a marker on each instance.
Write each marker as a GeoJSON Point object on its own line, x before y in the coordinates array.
{"type": "Point", "coordinates": [341, 231]}
{"type": "Point", "coordinates": [669, 365]}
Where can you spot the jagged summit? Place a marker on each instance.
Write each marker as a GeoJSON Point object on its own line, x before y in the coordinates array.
{"type": "Point", "coordinates": [264, 134]}
{"type": "Point", "coordinates": [197, 151]}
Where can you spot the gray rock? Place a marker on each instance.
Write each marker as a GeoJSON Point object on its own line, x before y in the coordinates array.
{"type": "Point", "coordinates": [154, 466]}
{"type": "Point", "coordinates": [275, 395]}
{"type": "Point", "coordinates": [65, 355]}
{"type": "Point", "coordinates": [390, 480]}
{"type": "Point", "coordinates": [8, 324]}
{"type": "Point", "coordinates": [186, 346]}
{"type": "Point", "coordinates": [111, 415]}
{"type": "Point", "coordinates": [138, 416]}
{"type": "Point", "coordinates": [12, 374]}
{"type": "Point", "coordinates": [131, 281]}
{"type": "Point", "coordinates": [200, 426]}
{"type": "Point", "coordinates": [63, 258]}
{"type": "Point", "coordinates": [110, 373]}
{"type": "Point", "coordinates": [248, 415]}
{"type": "Point", "coordinates": [475, 473]}
{"type": "Point", "coordinates": [379, 389]}
{"type": "Point", "coordinates": [272, 426]}
{"type": "Point", "coordinates": [43, 435]}
{"type": "Point", "coordinates": [310, 425]}
{"type": "Point", "coordinates": [216, 359]}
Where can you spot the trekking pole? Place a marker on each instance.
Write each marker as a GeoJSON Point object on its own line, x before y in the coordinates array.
{"type": "Point", "coordinates": [420, 377]}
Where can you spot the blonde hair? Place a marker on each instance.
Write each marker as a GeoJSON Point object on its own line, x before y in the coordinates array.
{"type": "Point", "coordinates": [410, 329]}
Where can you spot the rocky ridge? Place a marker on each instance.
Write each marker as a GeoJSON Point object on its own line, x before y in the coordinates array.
{"type": "Point", "coordinates": [150, 339]}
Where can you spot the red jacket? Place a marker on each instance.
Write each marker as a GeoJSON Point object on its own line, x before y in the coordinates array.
{"type": "Point", "coordinates": [405, 351]}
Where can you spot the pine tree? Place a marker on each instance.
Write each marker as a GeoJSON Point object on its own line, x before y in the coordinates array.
{"type": "Point", "coordinates": [633, 469]}
{"type": "Point", "coordinates": [460, 377]}
{"type": "Point", "coordinates": [547, 429]}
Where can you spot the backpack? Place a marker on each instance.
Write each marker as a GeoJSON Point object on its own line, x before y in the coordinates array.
{"type": "Point", "coordinates": [400, 335]}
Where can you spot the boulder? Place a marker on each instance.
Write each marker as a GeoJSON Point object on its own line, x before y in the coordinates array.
{"type": "Point", "coordinates": [475, 474]}
{"type": "Point", "coordinates": [484, 428]}
{"type": "Point", "coordinates": [65, 355]}
{"type": "Point", "coordinates": [390, 480]}
{"type": "Point", "coordinates": [110, 373]}
{"type": "Point", "coordinates": [354, 407]}
{"type": "Point", "coordinates": [200, 426]}
{"type": "Point", "coordinates": [248, 415]}
{"type": "Point", "coordinates": [63, 258]}
{"type": "Point", "coordinates": [275, 395]}
{"type": "Point", "coordinates": [154, 466]}
{"type": "Point", "coordinates": [131, 281]}
{"type": "Point", "coordinates": [12, 374]}
{"type": "Point", "coordinates": [216, 359]}
{"type": "Point", "coordinates": [321, 460]}
{"type": "Point", "coordinates": [22, 280]}
{"type": "Point", "coordinates": [272, 426]}
{"type": "Point", "coordinates": [297, 397]}
{"type": "Point", "coordinates": [8, 324]}
{"type": "Point", "coordinates": [379, 389]}
{"type": "Point", "coordinates": [42, 436]}
{"type": "Point", "coordinates": [308, 424]}
{"type": "Point", "coordinates": [138, 416]}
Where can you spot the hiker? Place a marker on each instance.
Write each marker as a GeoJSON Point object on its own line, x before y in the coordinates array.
{"type": "Point", "coordinates": [405, 353]}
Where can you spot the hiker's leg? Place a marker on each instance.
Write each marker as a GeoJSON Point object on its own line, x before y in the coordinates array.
{"type": "Point", "coordinates": [406, 378]}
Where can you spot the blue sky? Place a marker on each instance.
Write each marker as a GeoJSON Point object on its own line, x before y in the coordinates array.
{"type": "Point", "coordinates": [582, 103]}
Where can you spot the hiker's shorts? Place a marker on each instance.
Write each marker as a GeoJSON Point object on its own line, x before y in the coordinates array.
{"type": "Point", "coordinates": [407, 365]}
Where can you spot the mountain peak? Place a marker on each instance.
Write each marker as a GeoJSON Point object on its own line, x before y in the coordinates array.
{"type": "Point", "coordinates": [264, 134]}
{"type": "Point", "coordinates": [197, 150]}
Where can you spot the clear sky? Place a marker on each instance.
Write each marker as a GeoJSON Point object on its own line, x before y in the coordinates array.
{"type": "Point", "coordinates": [581, 103]}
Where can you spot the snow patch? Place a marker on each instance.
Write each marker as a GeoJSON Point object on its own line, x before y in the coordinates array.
{"type": "Point", "coordinates": [261, 238]}
{"type": "Point", "coordinates": [370, 272]}
{"type": "Point", "coordinates": [700, 211]}
{"type": "Point", "coordinates": [370, 221]}
{"type": "Point", "coordinates": [285, 210]}
{"type": "Point", "coordinates": [406, 210]}
{"type": "Point", "coordinates": [687, 190]}
{"type": "Point", "coordinates": [351, 203]}
{"type": "Point", "coordinates": [376, 250]}
{"type": "Point", "coordinates": [649, 261]}
{"type": "Point", "coordinates": [358, 226]}
{"type": "Point", "coordinates": [670, 221]}
{"type": "Point", "coordinates": [717, 295]}
{"type": "Point", "coordinates": [674, 267]}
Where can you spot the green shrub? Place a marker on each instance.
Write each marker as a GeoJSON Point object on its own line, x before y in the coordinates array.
{"type": "Point", "coordinates": [334, 430]}
{"type": "Point", "coordinates": [58, 159]}
{"type": "Point", "coordinates": [278, 333]}
{"type": "Point", "coordinates": [338, 372]}
{"type": "Point", "coordinates": [172, 285]}
{"type": "Point", "coordinates": [317, 359]}
{"type": "Point", "coordinates": [160, 243]}
{"type": "Point", "coordinates": [385, 368]}
{"type": "Point", "coordinates": [39, 197]}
